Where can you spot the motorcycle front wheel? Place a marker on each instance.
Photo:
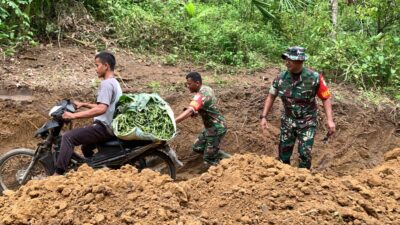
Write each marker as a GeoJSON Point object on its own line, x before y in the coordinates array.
{"type": "Point", "coordinates": [157, 161]}
{"type": "Point", "coordinates": [13, 165]}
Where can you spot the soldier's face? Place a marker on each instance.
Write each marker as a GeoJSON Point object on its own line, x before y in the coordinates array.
{"type": "Point", "coordinates": [193, 86]}
{"type": "Point", "coordinates": [294, 66]}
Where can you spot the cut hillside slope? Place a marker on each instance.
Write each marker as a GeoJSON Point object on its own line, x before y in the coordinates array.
{"type": "Point", "coordinates": [36, 79]}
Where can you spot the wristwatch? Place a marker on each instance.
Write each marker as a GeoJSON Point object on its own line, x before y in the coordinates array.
{"type": "Point", "coordinates": [261, 117]}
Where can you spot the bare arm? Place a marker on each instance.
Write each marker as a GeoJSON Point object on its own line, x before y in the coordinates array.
{"type": "Point", "coordinates": [269, 101]}
{"type": "Point", "coordinates": [185, 114]}
{"type": "Point", "coordinates": [85, 104]}
{"type": "Point", "coordinates": [329, 115]}
{"type": "Point", "coordinates": [93, 112]}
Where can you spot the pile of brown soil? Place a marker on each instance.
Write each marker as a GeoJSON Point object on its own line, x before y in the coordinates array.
{"type": "Point", "coordinates": [245, 189]}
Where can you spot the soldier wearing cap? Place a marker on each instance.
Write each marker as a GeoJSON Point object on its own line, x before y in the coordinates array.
{"type": "Point", "coordinates": [298, 86]}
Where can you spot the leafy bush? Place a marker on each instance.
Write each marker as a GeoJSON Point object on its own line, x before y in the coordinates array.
{"type": "Point", "coordinates": [358, 54]}
{"type": "Point", "coordinates": [194, 31]}
{"type": "Point", "coordinates": [14, 25]}
{"type": "Point", "coordinates": [366, 61]}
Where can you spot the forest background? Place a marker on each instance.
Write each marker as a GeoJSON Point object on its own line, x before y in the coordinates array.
{"type": "Point", "coordinates": [350, 41]}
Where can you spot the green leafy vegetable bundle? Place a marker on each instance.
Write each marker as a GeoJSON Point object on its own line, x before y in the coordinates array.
{"type": "Point", "coordinates": [143, 117]}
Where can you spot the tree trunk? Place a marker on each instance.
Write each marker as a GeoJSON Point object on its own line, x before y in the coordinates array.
{"type": "Point", "coordinates": [334, 7]}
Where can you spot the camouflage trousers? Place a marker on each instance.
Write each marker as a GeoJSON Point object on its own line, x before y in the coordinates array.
{"type": "Point", "coordinates": [208, 141]}
{"type": "Point", "coordinates": [304, 132]}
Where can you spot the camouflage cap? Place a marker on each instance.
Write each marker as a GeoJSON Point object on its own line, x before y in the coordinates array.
{"type": "Point", "coordinates": [295, 53]}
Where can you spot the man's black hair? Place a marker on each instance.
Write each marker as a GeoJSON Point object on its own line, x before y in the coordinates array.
{"type": "Point", "coordinates": [194, 76]}
{"type": "Point", "coordinates": [106, 57]}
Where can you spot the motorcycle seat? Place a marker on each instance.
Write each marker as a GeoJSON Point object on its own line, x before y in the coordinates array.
{"type": "Point", "coordinates": [111, 143]}
{"type": "Point", "coordinates": [115, 142]}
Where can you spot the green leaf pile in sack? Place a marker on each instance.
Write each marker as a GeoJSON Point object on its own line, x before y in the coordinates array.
{"type": "Point", "coordinates": [143, 117]}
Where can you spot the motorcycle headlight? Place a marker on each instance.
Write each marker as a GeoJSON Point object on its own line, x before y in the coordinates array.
{"type": "Point", "coordinates": [54, 109]}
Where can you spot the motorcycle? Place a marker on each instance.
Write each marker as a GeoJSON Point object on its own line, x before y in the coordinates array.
{"type": "Point", "coordinates": [20, 165]}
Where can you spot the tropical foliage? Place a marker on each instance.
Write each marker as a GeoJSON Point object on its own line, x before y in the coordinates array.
{"type": "Point", "coordinates": [363, 48]}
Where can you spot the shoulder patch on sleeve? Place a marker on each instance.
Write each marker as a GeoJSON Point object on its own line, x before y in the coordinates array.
{"type": "Point", "coordinates": [197, 97]}
{"type": "Point", "coordinates": [323, 91]}
{"type": "Point", "coordinates": [197, 102]}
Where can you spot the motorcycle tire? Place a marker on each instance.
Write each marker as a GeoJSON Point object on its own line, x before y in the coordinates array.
{"type": "Point", "coordinates": [156, 157]}
{"type": "Point", "coordinates": [10, 181]}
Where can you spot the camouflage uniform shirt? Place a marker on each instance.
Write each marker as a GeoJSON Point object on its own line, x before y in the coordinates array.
{"type": "Point", "coordinates": [298, 95]}
{"type": "Point", "coordinates": [205, 103]}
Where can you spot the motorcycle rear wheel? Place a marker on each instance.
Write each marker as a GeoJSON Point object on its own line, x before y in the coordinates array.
{"type": "Point", "coordinates": [157, 161]}
{"type": "Point", "coordinates": [13, 165]}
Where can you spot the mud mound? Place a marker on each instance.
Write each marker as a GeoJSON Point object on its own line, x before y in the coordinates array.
{"type": "Point", "coordinates": [246, 189]}
{"type": "Point", "coordinates": [88, 196]}
{"type": "Point", "coordinates": [258, 190]}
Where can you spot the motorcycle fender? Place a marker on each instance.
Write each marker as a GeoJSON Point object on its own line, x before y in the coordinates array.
{"type": "Point", "coordinates": [47, 126]}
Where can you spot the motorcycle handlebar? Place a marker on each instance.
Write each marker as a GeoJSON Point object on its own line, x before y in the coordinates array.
{"type": "Point", "coordinates": [64, 106]}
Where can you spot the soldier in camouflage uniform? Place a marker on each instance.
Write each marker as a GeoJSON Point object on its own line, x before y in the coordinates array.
{"type": "Point", "coordinates": [298, 86]}
{"type": "Point", "coordinates": [204, 103]}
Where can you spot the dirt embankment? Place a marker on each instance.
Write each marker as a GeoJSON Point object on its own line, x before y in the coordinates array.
{"type": "Point", "coordinates": [246, 189]}
{"type": "Point", "coordinates": [36, 79]}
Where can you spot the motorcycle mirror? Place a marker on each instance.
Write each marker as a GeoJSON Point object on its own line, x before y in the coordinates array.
{"type": "Point", "coordinates": [70, 108]}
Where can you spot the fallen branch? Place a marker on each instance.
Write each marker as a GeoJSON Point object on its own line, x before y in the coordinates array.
{"type": "Point", "coordinates": [34, 125]}
{"type": "Point", "coordinates": [80, 42]}
{"type": "Point", "coordinates": [308, 212]}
